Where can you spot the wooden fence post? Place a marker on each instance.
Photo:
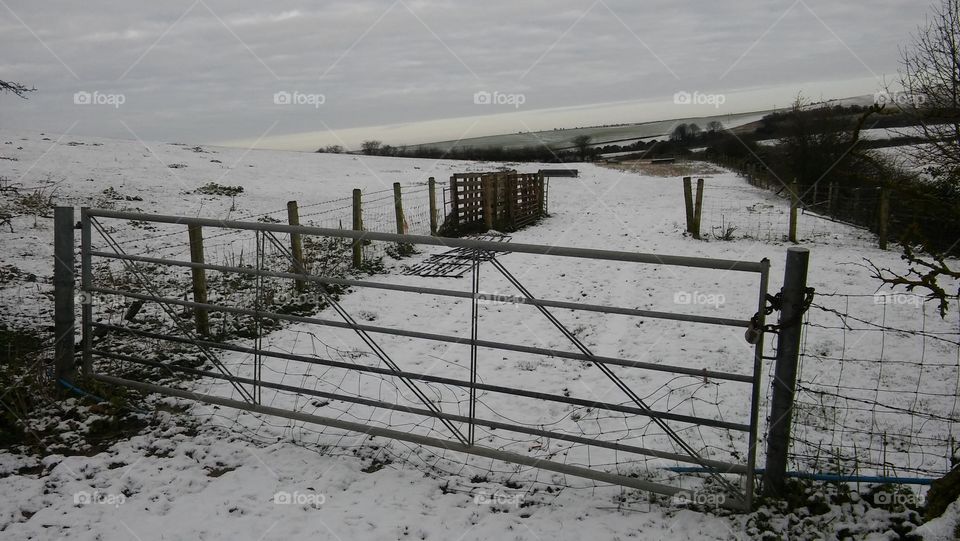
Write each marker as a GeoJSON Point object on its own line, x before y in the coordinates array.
{"type": "Point", "coordinates": [398, 207]}
{"type": "Point", "coordinates": [199, 275]}
{"type": "Point", "coordinates": [541, 198]}
{"type": "Point", "coordinates": [432, 185]}
{"type": "Point", "coordinates": [794, 204]}
{"type": "Point", "coordinates": [357, 226]}
{"type": "Point", "coordinates": [296, 245]}
{"type": "Point", "coordinates": [884, 216]}
{"type": "Point", "coordinates": [698, 209]}
{"type": "Point", "coordinates": [785, 370]}
{"type": "Point", "coordinates": [63, 295]}
{"type": "Point", "coordinates": [688, 203]}
{"type": "Point", "coordinates": [832, 199]}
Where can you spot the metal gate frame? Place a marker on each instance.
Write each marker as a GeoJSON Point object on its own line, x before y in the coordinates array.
{"type": "Point", "coordinates": [743, 496]}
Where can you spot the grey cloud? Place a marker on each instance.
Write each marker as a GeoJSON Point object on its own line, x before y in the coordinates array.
{"type": "Point", "coordinates": [212, 75]}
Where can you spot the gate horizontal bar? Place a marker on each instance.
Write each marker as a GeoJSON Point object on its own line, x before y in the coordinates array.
{"type": "Point", "coordinates": [427, 290]}
{"type": "Point", "coordinates": [496, 454]}
{"type": "Point", "coordinates": [563, 251]}
{"type": "Point", "coordinates": [446, 381]}
{"type": "Point", "coordinates": [714, 465]}
{"type": "Point", "coordinates": [710, 374]}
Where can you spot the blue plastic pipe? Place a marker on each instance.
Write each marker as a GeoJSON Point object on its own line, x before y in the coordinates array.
{"type": "Point", "coordinates": [835, 477]}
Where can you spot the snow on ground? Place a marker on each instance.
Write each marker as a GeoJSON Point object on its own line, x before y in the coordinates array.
{"type": "Point", "coordinates": [220, 479]}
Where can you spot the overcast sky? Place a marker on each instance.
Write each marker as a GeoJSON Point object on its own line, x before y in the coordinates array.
{"type": "Point", "coordinates": [408, 71]}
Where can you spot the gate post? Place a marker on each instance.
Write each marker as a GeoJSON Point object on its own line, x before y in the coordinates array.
{"type": "Point", "coordinates": [785, 371]}
{"type": "Point", "coordinates": [63, 294]}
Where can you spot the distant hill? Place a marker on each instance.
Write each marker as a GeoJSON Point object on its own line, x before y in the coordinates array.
{"type": "Point", "coordinates": [601, 135]}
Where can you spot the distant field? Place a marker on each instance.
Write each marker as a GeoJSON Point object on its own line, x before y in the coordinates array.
{"type": "Point", "coordinates": [623, 134]}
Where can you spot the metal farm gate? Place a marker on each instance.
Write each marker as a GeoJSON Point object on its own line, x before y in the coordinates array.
{"type": "Point", "coordinates": [117, 283]}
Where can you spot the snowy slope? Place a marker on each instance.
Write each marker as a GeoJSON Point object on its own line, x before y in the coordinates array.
{"type": "Point", "coordinates": [174, 481]}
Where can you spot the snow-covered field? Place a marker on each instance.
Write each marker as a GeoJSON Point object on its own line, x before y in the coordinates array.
{"type": "Point", "coordinates": [219, 479]}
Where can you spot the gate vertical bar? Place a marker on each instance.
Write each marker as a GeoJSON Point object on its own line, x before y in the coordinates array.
{"type": "Point", "coordinates": [63, 294]}
{"type": "Point", "coordinates": [755, 389]}
{"type": "Point", "coordinates": [86, 282]}
{"type": "Point", "coordinates": [473, 344]}
{"type": "Point", "coordinates": [785, 372]}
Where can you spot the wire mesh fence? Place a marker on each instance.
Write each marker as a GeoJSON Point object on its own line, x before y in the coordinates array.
{"type": "Point", "coordinates": [727, 215]}
{"type": "Point", "coordinates": [878, 389]}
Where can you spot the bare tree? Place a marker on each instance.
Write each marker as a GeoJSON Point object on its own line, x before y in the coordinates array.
{"type": "Point", "coordinates": [16, 88]}
{"type": "Point", "coordinates": [930, 76]}
{"type": "Point", "coordinates": [582, 143]}
{"type": "Point", "coordinates": [714, 126]}
{"type": "Point", "coordinates": [680, 133]}
{"type": "Point", "coordinates": [371, 146]}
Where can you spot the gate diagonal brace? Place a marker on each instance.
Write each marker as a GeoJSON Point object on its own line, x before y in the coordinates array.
{"type": "Point", "coordinates": [613, 377]}
{"type": "Point", "coordinates": [369, 341]}
{"type": "Point", "coordinates": [151, 289]}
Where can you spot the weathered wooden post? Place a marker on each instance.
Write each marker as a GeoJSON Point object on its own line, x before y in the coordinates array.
{"type": "Point", "coordinates": [785, 370]}
{"type": "Point", "coordinates": [688, 203]}
{"type": "Point", "coordinates": [541, 197]}
{"type": "Point", "coordinates": [486, 187]}
{"type": "Point", "coordinates": [199, 278]}
{"type": "Point", "coordinates": [884, 216]}
{"type": "Point", "coordinates": [357, 226]}
{"type": "Point", "coordinates": [510, 186]}
{"type": "Point", "coordinates": [432, 185]}
{"type": "Point", "coordinates": [398, 208]}
{"type": "Point", "coordinates": [698, 209]}
{"type": "Point", "coordinates": [296, 245]}
{"type": "Point", "coordinates": [794, 205]}
{"type": "Point", "coordinates": [63, 294]}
